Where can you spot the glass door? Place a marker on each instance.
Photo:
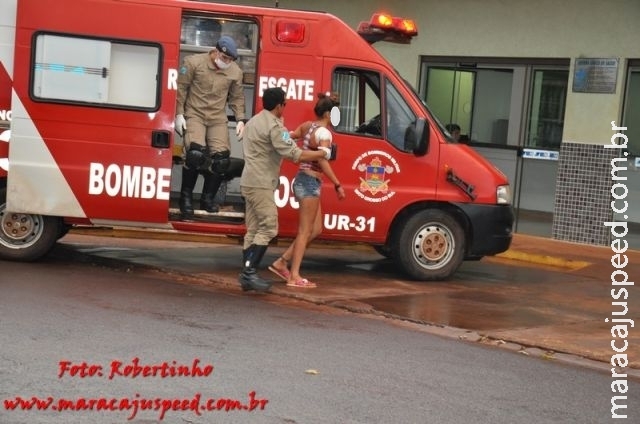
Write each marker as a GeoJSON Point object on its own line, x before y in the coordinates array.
{"type": "Point", "coordinates": [450, 96]}
{"type": "Point", "coordinates": [631, 120]}
{"type": "Point", "coordinates": [543, 125]}
{"type": "Point", "coordinates": [546, 115]}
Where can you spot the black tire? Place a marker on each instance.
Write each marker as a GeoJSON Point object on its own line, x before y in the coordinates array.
{"type": "Point", "coordinates": [383, 249]}
{"type": "Point", "coordinates": [430, 246]}
{"type": "Point", "coordinates": [26, 237]}
{"type": "Point", "coordinates": [64, 230]}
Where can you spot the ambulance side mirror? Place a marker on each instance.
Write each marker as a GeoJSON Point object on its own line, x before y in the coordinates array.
{"type": "Point", "coordinates": [416, 138]}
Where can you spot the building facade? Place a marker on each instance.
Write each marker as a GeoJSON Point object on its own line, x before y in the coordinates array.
{"type": "Point", "coordinates": [537, 87]}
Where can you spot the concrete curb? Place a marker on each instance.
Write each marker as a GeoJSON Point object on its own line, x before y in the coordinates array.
{"type": "Point", "coordinates": [556, 261]}
{"type": "Point", "coordinates": [558, 357]}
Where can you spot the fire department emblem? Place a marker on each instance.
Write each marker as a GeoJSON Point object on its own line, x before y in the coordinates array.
{"type": "Point", "coordinates": [374, 176]}
{"type": "Point", "coordinates": [376, 166]}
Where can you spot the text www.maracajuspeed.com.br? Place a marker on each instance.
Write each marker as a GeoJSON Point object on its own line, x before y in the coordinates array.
{"type": "Point", "coordinates": [196, 404]}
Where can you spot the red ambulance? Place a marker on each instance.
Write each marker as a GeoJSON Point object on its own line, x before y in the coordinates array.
{"type": "Point", "coordinates": [87, 106]}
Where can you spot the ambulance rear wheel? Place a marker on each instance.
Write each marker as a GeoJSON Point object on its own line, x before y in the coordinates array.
{"type": "Point", "coordinates": [430, 246]}
{"type": "Point", "coordinates": [26, 237]}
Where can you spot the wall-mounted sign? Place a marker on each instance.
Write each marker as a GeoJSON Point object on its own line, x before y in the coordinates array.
{"type": "Point", "coordinates": [540, 154]}
{"type": "Point", "coordinates": [595, 75]}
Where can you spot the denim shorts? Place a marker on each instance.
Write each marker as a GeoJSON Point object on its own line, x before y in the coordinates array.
{"type": "Point", "coordinates": [305, 185]}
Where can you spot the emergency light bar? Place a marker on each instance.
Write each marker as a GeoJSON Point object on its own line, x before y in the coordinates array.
{"type": "Point", "coordinates": [384, 27]}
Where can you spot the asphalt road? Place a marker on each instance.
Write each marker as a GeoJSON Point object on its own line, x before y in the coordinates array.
{"type": "Point", "coordinates": [305, 363]}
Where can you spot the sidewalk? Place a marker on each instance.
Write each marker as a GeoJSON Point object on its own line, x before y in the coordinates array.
{"type": "Point", "coordinates": [592, 266]}
{"type": "Point", "coordinates": [554, 296]}
{"type": "Point", "coordinates": [547, 251]}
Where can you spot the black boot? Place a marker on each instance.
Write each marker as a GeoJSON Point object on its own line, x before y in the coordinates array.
{"type": "Point", "coordinates": [249, 278]}
{"type": "Point", "coordinates": [212, 181]}
{"type": "Point", "coordinates": [245, 257]}
{"type": "Point", "coordinates": [189, 178]}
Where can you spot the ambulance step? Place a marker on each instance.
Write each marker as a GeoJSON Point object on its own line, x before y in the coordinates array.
{"type": "Point", "coordinates": [202, 215]}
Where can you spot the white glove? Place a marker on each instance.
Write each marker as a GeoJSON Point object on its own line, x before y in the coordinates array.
{"type": "Point", "coordinates": [327, 152]}
{"type": "Point", "coordinates": [180, 125]}
{"type": "Point", "coordinates": [239, 129]}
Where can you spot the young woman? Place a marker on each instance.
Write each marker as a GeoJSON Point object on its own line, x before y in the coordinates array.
{"type": "Point", "coordinates": [306, 188]}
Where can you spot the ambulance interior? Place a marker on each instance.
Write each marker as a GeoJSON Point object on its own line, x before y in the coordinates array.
{"type": "Point", "coordinates": [199, 34]}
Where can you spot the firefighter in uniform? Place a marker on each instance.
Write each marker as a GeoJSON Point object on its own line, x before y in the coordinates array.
{"type": "Point", "coordinates": [266, 143]}
{"type": "Point", "coordinates": [206, 82]}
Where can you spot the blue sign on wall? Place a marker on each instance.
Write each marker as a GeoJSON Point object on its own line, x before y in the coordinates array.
{"type": "Point", "coordinates": [540, 154]}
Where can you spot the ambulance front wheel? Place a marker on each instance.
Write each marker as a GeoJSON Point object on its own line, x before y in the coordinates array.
{"type": "Point", "coordinates": [430, 246]}
{"type": "Point", "coordinates": [26, 237]}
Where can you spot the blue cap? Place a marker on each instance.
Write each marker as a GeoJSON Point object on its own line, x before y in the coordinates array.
{"type": "Point", "coordinates": [227, 46]}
